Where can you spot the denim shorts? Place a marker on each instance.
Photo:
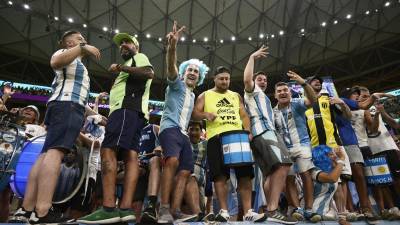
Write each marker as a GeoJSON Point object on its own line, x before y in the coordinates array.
{"type": "Point", "coordinates": [175, 144]}
{"type": "Point", "coordinates": [63, 121]}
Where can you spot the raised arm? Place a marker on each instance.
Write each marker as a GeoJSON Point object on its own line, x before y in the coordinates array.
{"type": "Point", "coordinates": [172, 39]}
{"type": "Point", "coordinates": [66, 57]}
{"type": "Point", "coordinates": [311, 97]}
{"type": "Point", "coordinates": [249, 70]}
{"type": "Point", "coordinates": [343, 107]}
{"type": "Point", "coordinates": [371, 100]}
{"type": "Point", "coordinates": [387, 118]}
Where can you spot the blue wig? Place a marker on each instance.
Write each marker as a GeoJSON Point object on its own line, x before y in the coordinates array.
{"type": "Point", "coordinates": [203, 69]}
{"type": "Point", "coordinates": [321, 159]}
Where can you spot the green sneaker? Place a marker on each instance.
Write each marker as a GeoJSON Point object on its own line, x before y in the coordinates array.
{"type": "Point", "coordinates": [101, 216]}
{"type": "Point", "coordinates": [127, 215]}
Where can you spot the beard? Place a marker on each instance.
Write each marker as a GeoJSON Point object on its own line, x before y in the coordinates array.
{"type": "Point", "coordinates": [128, 55]}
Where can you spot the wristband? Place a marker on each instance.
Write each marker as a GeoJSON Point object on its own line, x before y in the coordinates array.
{"type": "Point", "coordinates": [304, 84]}
{"type": "Point", "coordinates": [119, 67]}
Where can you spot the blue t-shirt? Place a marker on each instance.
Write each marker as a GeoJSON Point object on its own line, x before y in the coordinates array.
{"type": "Point", "coordinates": [179, 101]}
{"type": "Point", "coordinates": [291, 123]}
{"type": "Point", "coordinates": [346, 131]}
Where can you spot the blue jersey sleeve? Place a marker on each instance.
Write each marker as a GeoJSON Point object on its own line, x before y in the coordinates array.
{"type": "Point", "coordinates": [353, 105]}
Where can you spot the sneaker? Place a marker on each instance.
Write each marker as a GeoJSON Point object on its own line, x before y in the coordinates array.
{"type": "Point", "coordinates": [101, 216]}
{"type": "Point", "coordinates": [351, 217]}
{"type": "Point", "coordinates": [52, 217]}
{"type": "Point", "coordinates": [164, 216]}
{"type": "Point", "coordinates": [254, 217]}
{"type": "Point", "coordinates": [342, 221]}
{"type": "Point", "coordinates": [277, 217]}
{"type": "Point", "coordinates": [313, 217]}
{"type": "Point", "coordinates": [182, 217]}
{"type": "Point", "coordinates": [20, 216]}
{"type": "Point", "coordinates": [222, 216]}
{"type": "Point", "coordinates": [149, 215]}
{"type": "Point", "coordinates": [298, 214]}
{"type": "Point", "coordinates": [395, 213]}
{"type": "Point", "coordinates": [369, 215]}
{"type": "Point", "coordinates": [209, 217]}
{"type": "Point", "coordinates": [127, 215]}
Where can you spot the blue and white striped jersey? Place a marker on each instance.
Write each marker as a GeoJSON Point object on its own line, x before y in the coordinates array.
{"type": "Point", "coordinates": [71, 83]}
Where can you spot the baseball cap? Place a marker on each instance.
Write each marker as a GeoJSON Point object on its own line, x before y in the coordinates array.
{"type": "Point", "coordinates": [315, 77]}
{"type": "Point", "coordinates": [121, 36]}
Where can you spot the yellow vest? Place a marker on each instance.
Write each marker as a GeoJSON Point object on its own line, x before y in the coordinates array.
{"type": "Point", "coordinates": [321, 124]}
{"type": "Point", "coordinates": [226, 106]}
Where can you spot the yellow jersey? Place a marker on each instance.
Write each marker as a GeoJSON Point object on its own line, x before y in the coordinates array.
{"type": "Point", "coordinates": [226, 106]}
{"type": "Point", "coordinates": [321, 123]}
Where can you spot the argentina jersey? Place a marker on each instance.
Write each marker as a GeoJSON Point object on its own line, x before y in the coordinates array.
{"type": "Point", "coordinates": [179, 101]}
{"type": "Point", "coordinates": [291, 123]}
{"type": "Point", "coordinates": [71, 83]}
{"type": "Point", "coordinates": [259, 108]}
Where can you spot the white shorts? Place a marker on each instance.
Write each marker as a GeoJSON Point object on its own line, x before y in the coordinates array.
{"type": "Point", "coordinates": [302, 158]}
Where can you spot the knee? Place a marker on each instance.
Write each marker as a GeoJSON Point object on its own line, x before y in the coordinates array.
{"type": "Point", "coordinates": [183, 174]}
{"type": "Point", "coordinates": [171, 162]}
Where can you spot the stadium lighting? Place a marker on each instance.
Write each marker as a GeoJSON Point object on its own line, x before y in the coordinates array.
{"type": "Point", "coordinates": [233, 38]}
{"type": "Point", "coordinates": [26, 6]}
{"type": "Point", "coordinates": [335, 22]}
{"type": "Point", "coordinates": [205, 39]}
{"type": "Point", "coordinates": [323, 24]}
{"type": "Point", "coordinates": [367, 12]}
{"type": "Point", "coordinates": [281, 32]}
{"type": "Point", "coordinates": [84, 25]}
{"type": "Point", "coordinates": [159, 39]}
{"type": "Point", "coordinates": [221, 41]}
{"type": "Point", "coordinates": [194, 40]}
{"type": "Point", "coordinates": [250, 38]}
{"type": "Point", "coordinates": [10, 3]}
{"type": "Point", "coordinates": [182, 39]}
{"type": "Point", "coordinates": [148, 35]}
{"type": "Point", "coordinates": [387, 4]}
{"type": "Point", "coordinates": [105, 29]}
{"type": "Point", "coordinates": [261, 36]}
{"type": "Point", "coordinates": [348, 16]}
{"type": "Point", "coordinates": [56, 18]}
{"type": "Point", "coordinates": [70, 20]}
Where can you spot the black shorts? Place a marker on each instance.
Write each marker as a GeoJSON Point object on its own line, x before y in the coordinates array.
{"type": "Point", "coordinates": [63, 121]}
{"type": "Point", "coordinates": [216, 162]}
{"type": "Point", "coordinates": [123, 130]}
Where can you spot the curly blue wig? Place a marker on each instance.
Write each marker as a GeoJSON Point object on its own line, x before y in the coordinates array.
{"type": "Point", "coordinates": [321, 159]}
{"type": "Point", "coordinates": [203, 69]}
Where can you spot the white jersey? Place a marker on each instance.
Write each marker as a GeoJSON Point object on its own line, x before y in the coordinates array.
{"type": "Point", "coordinates": [71, 83]}
{"type": "Point", "coordinates": [359, 126]}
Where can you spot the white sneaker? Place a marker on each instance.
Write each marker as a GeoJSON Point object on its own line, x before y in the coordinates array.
{"type": "Point", "coordinates": [222, 216]}
{"type": "Point", "coordinates": [254, 217]}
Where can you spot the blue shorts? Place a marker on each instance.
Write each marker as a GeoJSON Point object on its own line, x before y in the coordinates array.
{"type": "Point", "coordinates": [176, 144]}
{"type": "Point", "coordinates": [64, 121]}
{"type": "Point", "coordinates": [123, 130]}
